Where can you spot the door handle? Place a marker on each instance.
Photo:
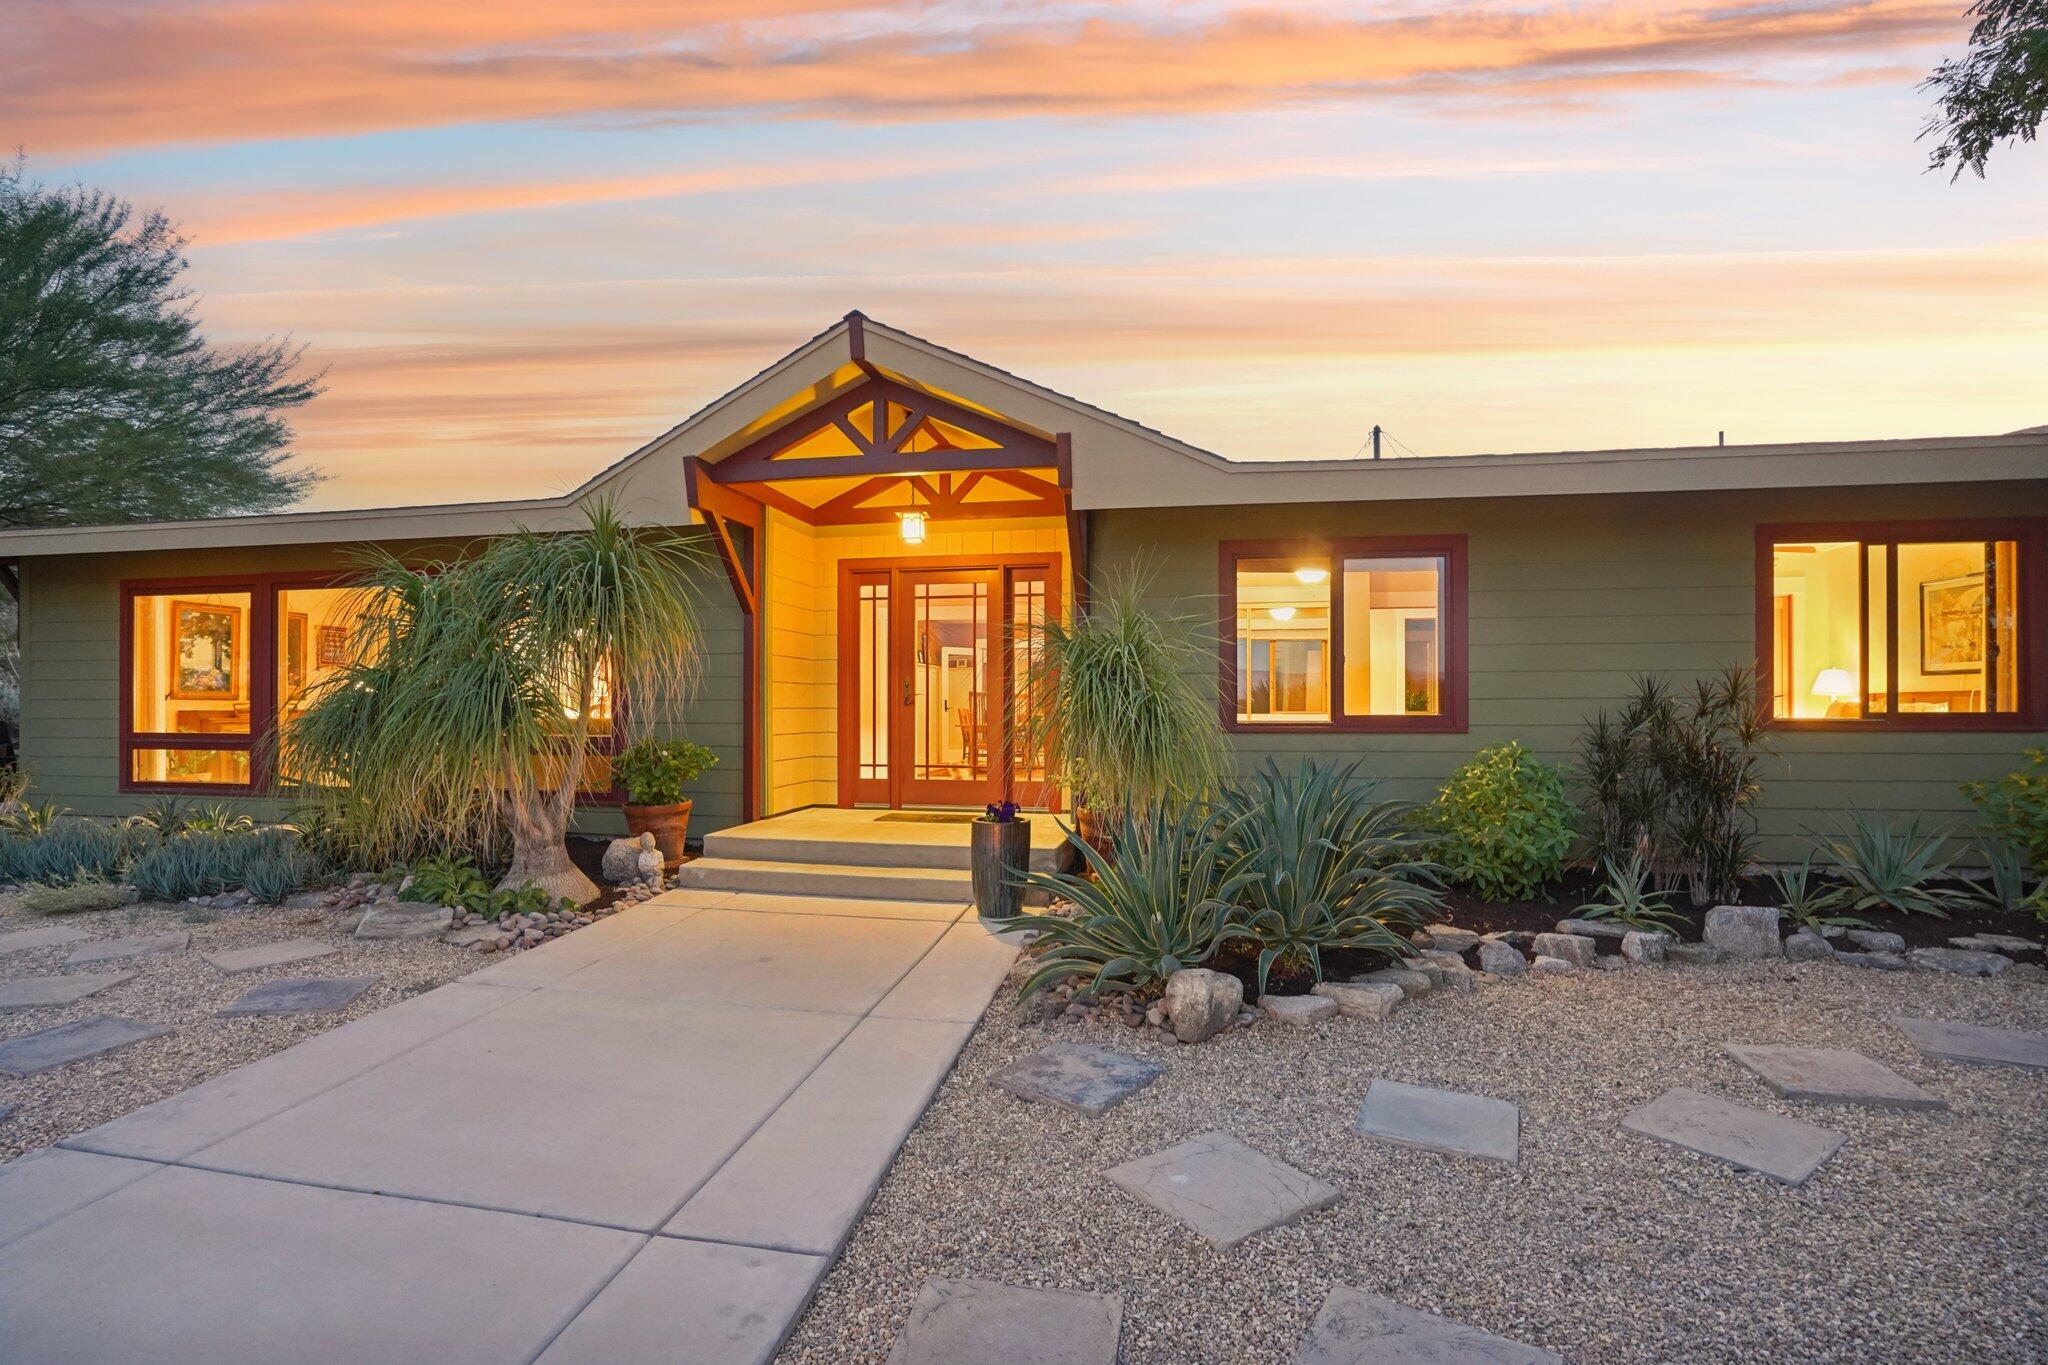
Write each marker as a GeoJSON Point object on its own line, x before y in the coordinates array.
{"type": "Point", "coordinates": [906, 691]}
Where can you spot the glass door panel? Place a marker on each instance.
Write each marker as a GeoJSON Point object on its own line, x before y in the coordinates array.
{"type": "Point", "coordinates": [950, 730]}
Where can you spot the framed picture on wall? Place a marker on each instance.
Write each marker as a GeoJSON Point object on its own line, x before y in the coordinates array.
{"type": "Point", "coordinates": [1952, 625]}
{"type": "Point", "coordinates": [333, 646]}
{"type": "Point", "coordinates": [295, 631]}
{"type": "Point", "coordinates": [206, 651]}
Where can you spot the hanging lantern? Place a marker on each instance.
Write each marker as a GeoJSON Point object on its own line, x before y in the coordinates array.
{"type": "Point", "coordinates": [911, 524]}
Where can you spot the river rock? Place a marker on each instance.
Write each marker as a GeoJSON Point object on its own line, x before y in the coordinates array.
{"type": "Point", "coordinates": [1202, 1003]}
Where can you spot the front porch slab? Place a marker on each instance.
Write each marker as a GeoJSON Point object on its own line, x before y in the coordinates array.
{"type": "Point", "coordinates": [679, 1300]}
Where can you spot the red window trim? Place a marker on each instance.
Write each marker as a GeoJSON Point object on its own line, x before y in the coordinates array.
{"type": "Point", "coordinates": [1454, 690]}
{"type": "Point", "coordinates": [2031, 536]}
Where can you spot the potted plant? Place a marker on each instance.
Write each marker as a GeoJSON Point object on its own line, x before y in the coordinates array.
{"type": "Point", "coordinates": [1001, 854]}
{"type": "Point", "coordinates": [654, 773]}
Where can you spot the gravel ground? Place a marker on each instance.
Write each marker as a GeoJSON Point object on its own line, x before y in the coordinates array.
{"type": "Point", "coordinates": [1924, 1238]}
{"type": "Point", "coordinates": [182, 990]}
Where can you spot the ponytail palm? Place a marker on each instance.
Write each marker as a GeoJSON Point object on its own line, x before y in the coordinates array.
{"type": "Point", "coordinates": [465, 705]}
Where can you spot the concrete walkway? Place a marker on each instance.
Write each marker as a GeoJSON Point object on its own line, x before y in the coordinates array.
{"type": "Point", "coordinates": [645, 1140]}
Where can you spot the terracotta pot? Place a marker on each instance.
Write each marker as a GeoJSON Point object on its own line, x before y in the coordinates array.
{"type": "Point", "coordinates": [1095, 831]}
{"type": "Point", "coordinates": [1000, 850]}
{"type": "Point", "coordinates": [668, 824]}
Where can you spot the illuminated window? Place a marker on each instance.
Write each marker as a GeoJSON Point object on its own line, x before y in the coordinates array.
{"type": "Point", "coordinates": [1878, 628]}
{"type": "Point", "coordinates": [1349, 635]}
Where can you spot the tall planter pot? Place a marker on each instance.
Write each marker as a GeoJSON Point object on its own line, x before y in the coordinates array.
{"type": "Point", "coordinates": [669, 825]}
{"type": "Point", "coordinates": [1001, 850]}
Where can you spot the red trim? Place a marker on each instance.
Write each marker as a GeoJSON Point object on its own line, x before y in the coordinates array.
{"type": "Point", "coordinates": [2030, 534]}
{"type": "Point", "coordinates": [1454, 689]}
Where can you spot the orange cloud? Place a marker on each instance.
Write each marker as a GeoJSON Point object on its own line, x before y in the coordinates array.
{"type": "Point", "coordinates": [232, 69]}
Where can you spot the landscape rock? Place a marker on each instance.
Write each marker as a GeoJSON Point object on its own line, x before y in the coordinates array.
{"type": "Point", "coordinates": [1299, 1009]}
{"type": "Point", "coordinates": [1882, 962]}
{"type": "Point", "coordinates": [1521, 938]}
{"type": "Point", "coordinates": [1996, 943]}
{"type": "Point", "coordinates": [1411, 980]}
{"type": "Point", "coordinates": [621, 863]}
{"type": "Point", "coordinates": [1446, 971]}
{"type": "Point", "coordinates": [1552, 966]}
{"type": "Point", "coordinates": [1961, 961]}
{"type": "Point", "coordinates": [1576, 949]}
{"type": "Point", "coordinates": [2026, 971]}
{"type": "Point", "coordinates": [1747, 932]}
{"type": "Point", "coordinates": [1608, 962]}
{"type": "Point", "coordinates": [1592, 928]}
{"type": "Point", "coordinates": [1877, 941]}
{"type": "Point", "coordinates": [1805, 947]}
{"type": "Point", "coordinates": [472, 935]}
{"type": "Point", "coordinates": [1202, 1003]}
{"type": "Point", "coordinates": [1645, 945]}
{"type": "Point", "coordinates": [404, 919]}
{"type": "Point", "coordinates": [1693, 954]}
{"type": "Point", "coordinates": [1444, 938]}
{"type": "Point", "coordinates": [1374, 1000]}
{"type": "Point", "coordinates": [1502, 959]}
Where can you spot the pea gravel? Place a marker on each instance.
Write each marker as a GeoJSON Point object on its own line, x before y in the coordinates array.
{"type": "Point", "coordinates": [1924, 1238]}
{"type": "Point", "coordinates": [182, 990]}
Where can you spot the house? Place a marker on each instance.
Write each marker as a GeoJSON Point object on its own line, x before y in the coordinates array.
{"type": "Point", "coordinates": [891, 518]}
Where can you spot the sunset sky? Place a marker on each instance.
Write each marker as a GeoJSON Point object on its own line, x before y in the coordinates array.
{"type": "Point", "coordinates": [522, 237]}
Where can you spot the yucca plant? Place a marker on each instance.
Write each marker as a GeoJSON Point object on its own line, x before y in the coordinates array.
{"type": "Point", "coordinates": [1884, 869]}
{"type": "Point", "coordinates": [2004, 887]}
{"type": "Point", "coordinates": [1113, 702]}
{"type": "Point", "coordinates": [465, 706]}
{"type": "Point", "coordinates": [1324, 866]}
{"type": "Point", "coordinates": [1805, 899]}
{"type": "Point", "coordinates": [1161, 903]}
{"type": "Point", "coordinates": [1630, 900]}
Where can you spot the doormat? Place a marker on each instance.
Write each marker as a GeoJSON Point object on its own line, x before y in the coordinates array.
{"type": "Point", "coordinates": [927, 817]}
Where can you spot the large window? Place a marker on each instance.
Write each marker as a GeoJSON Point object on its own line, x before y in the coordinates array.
{"type": "Point", "coordinates": [1915, 626]}
{"type": "Point", "coordinates": [1362, 635]}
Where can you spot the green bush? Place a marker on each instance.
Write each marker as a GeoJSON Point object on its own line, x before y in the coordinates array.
{"type": "Point", "coordinates": [655, 772]}
{"type": "Point", "coordinates": [2014, 809]}
{"type": "Point", "coordinates": [453, 882]}
{"type": "Point", "coordinates": [524, 899]}
{"type": "Point", "coordinates": [1886, 870]}
{"type": "Point", "coordinates": [1503, 823]}
{"type": "Point", "coordinates": [73, 898]}
{"type": "Point", "coordinates": [1323, 866]}
{"type": "Point", "coordinates": [1161, 903]}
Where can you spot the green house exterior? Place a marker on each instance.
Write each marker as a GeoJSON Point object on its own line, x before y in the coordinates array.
{"type": "Point", "coordinates": [1517, 595]}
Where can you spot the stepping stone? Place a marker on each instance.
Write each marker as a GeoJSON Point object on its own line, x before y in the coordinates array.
{"type": "Point", "coordinates": [270, 955]}
{"type": "Point", "coordinates": [35, 992]}
{"type": "Point", "coordinates": [81, 1038]}
{"type": "Point", "coordinates": [1357, 1328]}
{"type": "Point", "coordinates": [405, 919]}
{"type": "Point", "coordinates": [1829, 1075]}
{"type": "Point", "coordinates": [1784, 1149]}
{"type": "Point", "coordinates": [1441, 1121]}
{"type": "Point", "coordinates": [1953, 1042]}
{"type": "Point", "coordinates": [1222, 1189]}
{"type": "Point", "coordinates": [957, 1321]}
{"type": "Point", "coordinates": [1077, 1076]}
{"type": "Point", "coordinates": [42, 936]}
{"type": "Point", "coordinates": [114, 949]}
{"type": "Point", "coordinates": [300, 995]}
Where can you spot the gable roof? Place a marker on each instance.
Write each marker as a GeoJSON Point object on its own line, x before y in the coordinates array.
{"type": "Point", "coordinates": [1118, 462]}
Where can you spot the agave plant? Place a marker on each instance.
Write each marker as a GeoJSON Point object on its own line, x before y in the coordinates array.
{"type": "Point", "coordinates": [218, 817]}
{"type": "Point", "coordinates": [1324, 865]}
{"type": "Point", "coordinates": [2004, 888]}
{"type": "Point", "coordinates": [1164, 901]}
{"type": "Point", "coordinates": [1885, 869]}
{"type": "Point", "coordinates": [166, 816]}
{"type": "Point", "coordinates": [1630, 900]}
{"type": "Point", "coordinates": [1804, 900]}
{"type": "Point", "coordinates": [27, 820]}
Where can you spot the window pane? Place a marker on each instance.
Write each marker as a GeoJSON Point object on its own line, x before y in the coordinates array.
{"type": "Point", "coordinates": [204, 767]}
{"type": "Point", "coordinates": [1957, 628]}
{"type": "Point", "coordinates": [1393, 636]}
{"type": "Point", "coordinates": [1283, 640]}
{"type": "Point", "coordinates": [1877, 561]}
{"type": "Point", "coordinates": [191, 664]}
{"type": "Point", "coordinates": [1817, 622]}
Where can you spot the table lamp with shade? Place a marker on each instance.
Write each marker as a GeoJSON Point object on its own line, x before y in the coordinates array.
{"type": "Point", "coordinates": [1838, 687]}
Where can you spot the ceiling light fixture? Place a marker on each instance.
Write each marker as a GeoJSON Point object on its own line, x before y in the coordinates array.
{"type": "Point", "coordinates": [1311, 576]}
{"type": "Point", "coordinates": [1282, 613]}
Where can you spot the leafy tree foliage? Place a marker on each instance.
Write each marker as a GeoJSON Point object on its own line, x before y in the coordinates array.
{"type": "Point", "coordinates": [112, 406]}
{"type": "Point", "coordinates": [1997, 91]}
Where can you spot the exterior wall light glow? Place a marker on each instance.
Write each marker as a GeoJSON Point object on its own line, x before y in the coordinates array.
{"type": "Point", "coordinates": [911, 526]}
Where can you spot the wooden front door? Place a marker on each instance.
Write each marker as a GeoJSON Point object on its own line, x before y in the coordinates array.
{"type": "Point", "coordinates": [930, 654]}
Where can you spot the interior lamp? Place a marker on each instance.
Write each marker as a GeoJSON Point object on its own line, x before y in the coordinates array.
{"type": "Point", "coordinates": [1835, 684]}
{"type": "Point", "coordinates": [1311, 576]}
{"type": "Point", "coordinates": [911, 527]}
{"type": "Point", "coordinates": [1281, 613]}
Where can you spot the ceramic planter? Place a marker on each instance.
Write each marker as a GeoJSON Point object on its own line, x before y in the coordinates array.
{"type": "Point", "coordinates": [669, 825]}
{"type": "Point", "coordinates": [1001, 850]}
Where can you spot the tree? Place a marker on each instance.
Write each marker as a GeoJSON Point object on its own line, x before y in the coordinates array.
{"type": "Point", "coordinates": [112, 406]}
{"type": "Point", "coordinates": [464, 707]}
{"type": "Point", "coordinates": [1997, 92]}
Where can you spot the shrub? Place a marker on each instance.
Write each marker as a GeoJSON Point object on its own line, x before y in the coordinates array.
{"type": "Point", "coordinates": [2015, 808]}
{"type": "Point", "coordinates": [73, 898]}
{"type": "Point", "coordinates": [71, 850]}
{"type": "Point", "coordinates": [204, 863]}
{"type": "Point", "coordinates": [2004, 888]}
{"type": "Point", "coordinates": [528, 898]}
{"type": "Point", "coordinates": [273, 875]}
{"type": "Point", "coordinates": [1161, 903]}
{"type": "Point", "coordinates": [27, 820]}
{"type": "Point", "coordinates": [1804, 901]}
{"type": "Point", "coordinates": [453, 882]}
{"type": "Point", "coordinates": [655, 772]}
{"type": "Point", "coordinates": [217, 818]}
{"type": "Point", "coordinates": [1503, 823]}
{"type": "Point", "coordinates": [1673, 777]}
{"type": "Point", "coordinates": [1323, 866]}
{"type": "Point", "coordinates": [1630, 900]}
{"type": "Point", "coordinates": [1882, 869]}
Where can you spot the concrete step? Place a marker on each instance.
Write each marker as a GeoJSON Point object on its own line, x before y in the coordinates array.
{"type": "Point", "coordinates": [773, 878]}
{"type": "Point", "coordinates": [755, 843]}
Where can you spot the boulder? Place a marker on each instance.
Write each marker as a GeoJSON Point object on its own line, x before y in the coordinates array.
{"type": "Point", "coordinates": [1748, 932]}
{"type": "Point", "coordinates": [1608, 962]}
{"type": "Point", "coordinates": [1202, 1003]}
{"type": "Point", "coordinates": [1552, 966]}
{"type": "Point", "coordinates": [622, 859]}
{"type": "Point", "coordinates": [1298, 1009]}
{"type": "Point", "coordinates": [1961, 961]}
{"type": "Point", "coordinates": [1410, 980]}
{"type": "Point", "coordinates": [1645, 945]}
{"type": "Point", "coordinates": [1502, 959]}
{"type": "Point", "coordinates": [1806, 947]}
{"type": "Point", "coordinates": [405, 919]}
{"type": "Point", "coordinates": [1446, 971]}
{"type": "Point", "coordinates": [1882, 962]}
{"type": "Point", "coordinates": [1693, 954]}
{"type": "Point", "coordinates": [1375, 1000]}
{"type": "Point", "coordinates": [1593, 928]}
{"type": "Point", "coordinates": [1576, 949]}
{"type": "Point", "coordinates": [1877, 941]}
{"type": "Point", "coordinates": [1520, 938]}
{"type": "Point", "coordinates": [1447, 939]}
